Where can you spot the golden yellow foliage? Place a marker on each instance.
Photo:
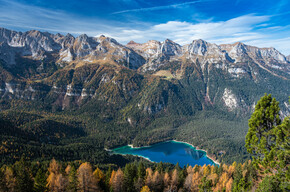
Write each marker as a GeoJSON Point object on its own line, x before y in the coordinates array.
{"type": "Point", "coordinates": [196, 181]}
{"type": "Point", "coordinates": [166, 180]}
{"type": "Point", "coordinates": [189, 169]}
{"type": "Point", "coordinates": [112, 177]}
{"type": "Point", "coordinates": [206, 170]}
{"type": "Point", "coordinates": [145, 189]}
{"type": "Point", "coordinates": [68, 169]}
{"type": "Point", "coordinates": [229, 185]}
{"type": "Point", "coordinates": [99, 175]}
{"type": "Point", "coordinates": [10, 179]}
{"type": "Point", "coordinates": [231, 170]}
{"type": "Point", "coordinates": [118, 180]}
{"type": "Point", "coordinates": [54, 167]}
{"type": "Point", "coordinates": [86, 179]}
{"type": "Point", "coordinates": [149, 177]}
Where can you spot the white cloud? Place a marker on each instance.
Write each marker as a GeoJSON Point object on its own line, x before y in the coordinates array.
{"type": "Point", "coordinates": [240, 28]}
{"type": "Point", "coordinates": [250, 29]}
{"type": "Point", "coordinates": [159, 7]}
{"type": "Point", "coordinates": [19, 15]}
{"type": "Point", "coordinates": [243, 28]}
{"type": "Point", "coordinates": [281, 44]}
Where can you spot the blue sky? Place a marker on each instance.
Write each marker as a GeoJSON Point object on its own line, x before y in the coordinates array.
{"type": "Point", "coordinates": [264, 23]}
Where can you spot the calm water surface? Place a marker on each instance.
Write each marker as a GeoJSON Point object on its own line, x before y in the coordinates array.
{"type": "Point", "coordinates": [170, 152]}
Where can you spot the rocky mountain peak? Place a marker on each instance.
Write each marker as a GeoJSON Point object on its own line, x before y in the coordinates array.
{"type": "Point", "coordinates": [272, 53]}
{"type": "Point", "coordinates": [107, 41]}
{"type": "Point", "coordinates": [133, 43]}
{"type": "Point", "coordinates": [57, 37]}
{"type": "Point", "coordinates": [34, 33]}
{"type": "Point", "coordinates": [169, 41]}
{"type": "Point", "coordinates": [39, 45]}
{"type": "Point", "coordinates": [69, 35]}
{"type": "Point", "coordinates": [239, 44]}
{"type": "Point", "coordinates": [197, 47]}
{"type": "Point", "coordinates": [82, 37]}
{"type": "Point", "coordinates": [170, 48]}
{"type": "Point", "coordinates": [238, 50]}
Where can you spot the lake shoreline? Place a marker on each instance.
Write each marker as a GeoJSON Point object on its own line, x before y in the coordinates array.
{"type": "Point", "coordinates": [109, 150]}
{"type": "Point", "coordinates": [196, 147]}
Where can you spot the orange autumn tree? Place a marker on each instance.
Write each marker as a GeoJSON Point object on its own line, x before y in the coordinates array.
{"type": "Point", "coordinates": [86, 180]}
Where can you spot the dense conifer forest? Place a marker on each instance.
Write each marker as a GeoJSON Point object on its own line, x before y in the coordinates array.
{"type": "Point", "coordinates": [267, 141]}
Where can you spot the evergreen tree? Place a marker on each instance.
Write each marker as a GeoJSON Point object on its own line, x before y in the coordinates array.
{"type": "Point", "coordinates": [130, 173]}
{"type": "Point", "coordinates": [268, 184]}
{"type": "Point", "coordinates": [238, 177]}
{"type": "Point", "coordinates": [260, 138]}
{"type": "Point", "coordinates": [181, 177]}
{"type": "Point", "coordinates": [10, 179]}
{"type": "Point", "coordinates": [220, 169]}
{"type": "Point", "coordinates": [107, 178]}
{"type": "Point", "coordinates": [159, 167]}
{"type": "Point", "coordinates": [141, 172]}
{"type": "Point", "coordinates": [268, 141]}
{"type": "Point", "coordinates": [3, 187]}
{"type": "Point", "coordinates": [40, 183]}
{"type": "Point", "coordinates": [23, 176]}
{"type": "Point", "coordinates": [72, 180]}
{"type": "Point", "coordinates": [205, 185]}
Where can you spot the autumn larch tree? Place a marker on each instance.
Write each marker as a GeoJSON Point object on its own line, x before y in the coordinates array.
{"type": "Point", "coordinates": [86, 180]}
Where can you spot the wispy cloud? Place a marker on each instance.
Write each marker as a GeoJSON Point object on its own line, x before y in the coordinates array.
{"type": "Point", "coordinates": [18, 15]}
{"type": "Point", "coordinates": [243, 28]}
{"type": "Point", "coordinates": [240, 28]}
{"type": "Point", "coordinates": [159, 7]}
{"type": "Point", "coordinates": [251, 29]}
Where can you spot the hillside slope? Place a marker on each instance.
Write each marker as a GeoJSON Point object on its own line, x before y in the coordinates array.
{"type": "Point", "coordinates": [106, 94]}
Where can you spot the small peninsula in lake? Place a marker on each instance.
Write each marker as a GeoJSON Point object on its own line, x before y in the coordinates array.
{"type": "Point", "coordinates": [170, 152]}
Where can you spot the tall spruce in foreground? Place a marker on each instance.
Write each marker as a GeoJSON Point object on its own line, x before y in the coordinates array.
{"type": "Point", "coordinates": [3, 186]}
{"type": "Point", "coordinates": [72, 180]}
{"type": "Point", "coordinates": [23, 176]}
{"type": "Point", "coordinates": [40, 183]}
{"type": "Point", "coordinates": [261, 139]}
{"type": "Point", "coordinates": [268, 141]}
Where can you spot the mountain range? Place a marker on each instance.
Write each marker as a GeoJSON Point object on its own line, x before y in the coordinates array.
{"type": "Point", "coordinates": [154, 88]}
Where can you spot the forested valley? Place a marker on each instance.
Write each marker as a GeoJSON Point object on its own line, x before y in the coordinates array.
{"type": "Point", "coordinates": [267, 141]}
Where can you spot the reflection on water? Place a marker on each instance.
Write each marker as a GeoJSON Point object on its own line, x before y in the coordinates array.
{"type": "Point", "coordinates": [195, 154]}
{"type": "Point", "coordinates": [171, 152]}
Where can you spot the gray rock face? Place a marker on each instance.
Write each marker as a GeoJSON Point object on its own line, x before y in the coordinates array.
{"type": "Point", "coordinates": [39, 45]}
{"type": "Point", "coordinates": [156, 53]}
{"type": "Point", "coordinates": [169, 48]}
{"type": "Point", "coordinates": [197, 47]}
{"type": "Point", "coordinates": [150, 56]}
{"type": "Point", "coordinates": [223, 56]}
{"type": "Point", "coordinates": [30, 70]}
{"type": "Point", "coordinates": [288, 58]}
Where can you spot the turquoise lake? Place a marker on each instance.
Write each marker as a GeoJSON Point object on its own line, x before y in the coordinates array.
{"type": "Point", "coordinates": [169, 152]}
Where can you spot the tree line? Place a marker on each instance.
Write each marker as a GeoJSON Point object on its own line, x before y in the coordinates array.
{"type": "Point", "coordinates": [267, 141]}
{"type": "Point", "coordinates": [133, 177]}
